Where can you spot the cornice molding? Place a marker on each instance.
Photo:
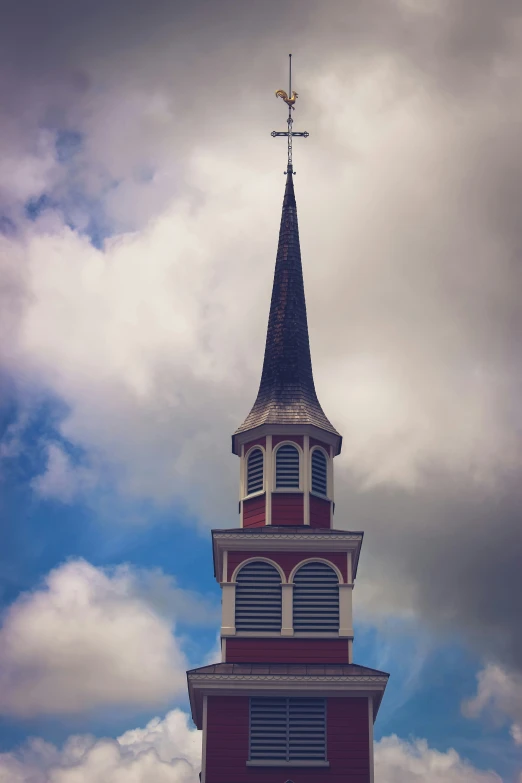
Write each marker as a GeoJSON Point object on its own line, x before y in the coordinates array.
{"type": "Point", "coordinates": [287, 679]}
{"type": "Point", "coordinates": [243, 537]}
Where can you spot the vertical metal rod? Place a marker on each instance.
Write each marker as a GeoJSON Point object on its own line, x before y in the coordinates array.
{"type": "Point", "coordinates": [289, 113]}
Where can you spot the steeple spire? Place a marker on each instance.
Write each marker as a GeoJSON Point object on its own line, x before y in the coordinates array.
{"type": "Point", "coordinates": [287, 392]}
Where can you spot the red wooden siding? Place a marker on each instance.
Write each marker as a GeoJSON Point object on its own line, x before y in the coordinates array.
{"type": "Point", "coordinates": [227, 739]}
{"type": "Point", "coordinates": [315, 442]}
{"type": "Point", "coordinates": [288, 560]}
{"type": "Point", "coordinates": [286, 650]}
{"type": "Point", "coordinates": [348, 738]}
{"type": "Point", "coordinates": [254, 511]}
{"type": "Point", "coordinates": [290, 438]}
{"type": "Point", "coordinates": [257, 442]}
{"type": "Point", "coordinates": [287, 508]}
{"type": "Point", "coordinates": [319, 512]}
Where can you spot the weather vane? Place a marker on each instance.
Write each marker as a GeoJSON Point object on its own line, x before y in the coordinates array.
{"type": "Point", "coordinates": [290, 99]}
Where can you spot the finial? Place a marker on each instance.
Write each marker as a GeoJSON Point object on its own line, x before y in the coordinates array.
{"type": "Point", "coordinates": [289, 98]}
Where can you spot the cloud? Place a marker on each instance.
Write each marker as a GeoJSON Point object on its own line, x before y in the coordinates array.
{"type": "Point", "coordinates": [92, 637]}
{"type": "Point", "coordinates": [61, 479]}
{"type": "Point", "coordinates": [498, 698]}
{"type": "Point", "coordinates": [409, 199]}
{"type": "Point", "coordinates": [398, 761]}
{"type": "Point", "coordinates": [165, 751]}
{"type": "Point", "coordinates": [168, 751]}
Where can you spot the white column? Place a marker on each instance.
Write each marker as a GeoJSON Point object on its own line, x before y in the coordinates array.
{"type": "Point", "coordinates": [287, 627]}
{"type": "Point", "coordinates": [331, 488]}
{"type": "Point", "coordinates": [306, 479]}
{"type": "Point", "coordinates": [241, 483]}
{"type": "Point", "coordinates": [268, 479]}
{"type": "Point", "coordinates": [228, 627]}
{"type": "Point", "coordinates": [349, 569]}
{"type": "Point", "coordinates": [370, 729]}
{"type": "Point", "coordinates": [204, 748]}
{"type": "Point", "coordinates": [350, 651]}
{"type": "Point", "coordinates": [345, 610]}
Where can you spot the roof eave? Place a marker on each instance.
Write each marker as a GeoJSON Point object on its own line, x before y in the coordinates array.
{"type": "Point", "coordinates": [328, 436]}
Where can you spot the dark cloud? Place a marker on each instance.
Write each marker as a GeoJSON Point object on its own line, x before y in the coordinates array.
{"type": "Point", "coordinates": [454, 550]}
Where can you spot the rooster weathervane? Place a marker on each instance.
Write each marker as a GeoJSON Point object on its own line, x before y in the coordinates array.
{"type": "Point", "coordinates": [289, 98]}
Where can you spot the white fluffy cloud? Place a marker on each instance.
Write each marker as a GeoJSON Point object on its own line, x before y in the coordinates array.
{"type": "Point", "coordinates": [168, 751]}
{"type": "Point", "coordinates": [91, 637]}
{"type": "Point", "coordinates": [498, 698]}
{"type": "Point", "coordinates": [62, 480]}
{"type": "Point", "coordinates": [397, 761]}
{"type": "Point", "coordinates": [165, 751]}
{"type": "Point", "coordinates": [145, 355]}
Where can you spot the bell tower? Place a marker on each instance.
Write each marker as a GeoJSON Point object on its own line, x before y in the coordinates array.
{"type": "Point", "coordinates": [286, 703]}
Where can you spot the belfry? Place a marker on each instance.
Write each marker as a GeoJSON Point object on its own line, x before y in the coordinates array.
{"type": "Point", "coordinates": [286, 704]}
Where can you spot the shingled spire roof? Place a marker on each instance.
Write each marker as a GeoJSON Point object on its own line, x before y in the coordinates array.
{"type": "Point", "coordinates": [287, 392]}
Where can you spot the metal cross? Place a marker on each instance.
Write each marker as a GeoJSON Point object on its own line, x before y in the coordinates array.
{"type": "Point", "coordinates": [290, 134]}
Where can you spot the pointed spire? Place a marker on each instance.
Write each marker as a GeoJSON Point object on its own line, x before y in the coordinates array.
{"type": "Point", "coordinates": [287, 392]}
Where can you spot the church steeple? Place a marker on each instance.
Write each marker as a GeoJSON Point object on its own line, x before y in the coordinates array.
{"type": "Point", "coordinates": [287, 444]}
{"type": "Point", "coordinates": [287, 393]}
{"type": "Point", "coordinates": [286, 701]}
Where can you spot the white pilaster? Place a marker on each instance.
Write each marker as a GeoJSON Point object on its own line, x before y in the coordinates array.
{"type": "Point", "coordinates": [287, 627]}
{"type": "Point", "coordinates": [268, 479]}
{"type": "Point", "coordinates": [204, 748]}
{"type": "Point", "coordinates": [306, 479]}
{"type": "Point", "coordinates": [331, 493]}
{"type": "Point", "coordinates": [228, 627]}
{"type": "Point", "coordinates": [350, 651]}
{"type": "Point", "coordinates": [241, 483]}
{"type": "Point", "coordinates": [349, 569]}
{"type": "Point", "coordinates": [345, 610]}
{"type": "Point", "coordinates": [224, 577]}
{"type": "Point", "coordinates": [331, 488]}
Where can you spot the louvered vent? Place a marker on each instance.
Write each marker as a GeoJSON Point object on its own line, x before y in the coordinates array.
{"type": "Point", "coordinates": [316, 598]}
{"type": "Point", "coordinates": [255, 471]}
{"type": "Point", "coordinates": [292, 729]}
{"type": "Point", "coordinates": [287, 467]}
{"type": "Point", "coordinates": [319, 472]}
{"type": "Point", "coordinates": [258, 598]}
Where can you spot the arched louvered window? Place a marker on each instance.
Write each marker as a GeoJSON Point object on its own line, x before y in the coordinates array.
{"type": "Point", "coordinates": [316, 598]}
{"type": "Point", "coordinates": [287, 467]}
{"type": "Point", "coordinates": [319, 472]}
{"type": "Point", "coordinates": [258, 597]}
{"type": "Point", "coordinates": [255, 470]}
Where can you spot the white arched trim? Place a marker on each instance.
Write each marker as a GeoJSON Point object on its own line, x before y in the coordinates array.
{"type": "Point", "coordinates": [315, 560]}
{"type": "Point", "coordinates": [244, 488]}
{"type": "Point", "coordinates": [256, 560]}
{"type": "Point", "coordinates": [328, 468]}
{"type": "Point", "coordinates": [256, 446]}
{"type": "Point", "coordinates": [276, 448]}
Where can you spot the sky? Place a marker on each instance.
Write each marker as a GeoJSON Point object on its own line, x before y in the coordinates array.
{"type": "Point", "coordinates": [140, 197]}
